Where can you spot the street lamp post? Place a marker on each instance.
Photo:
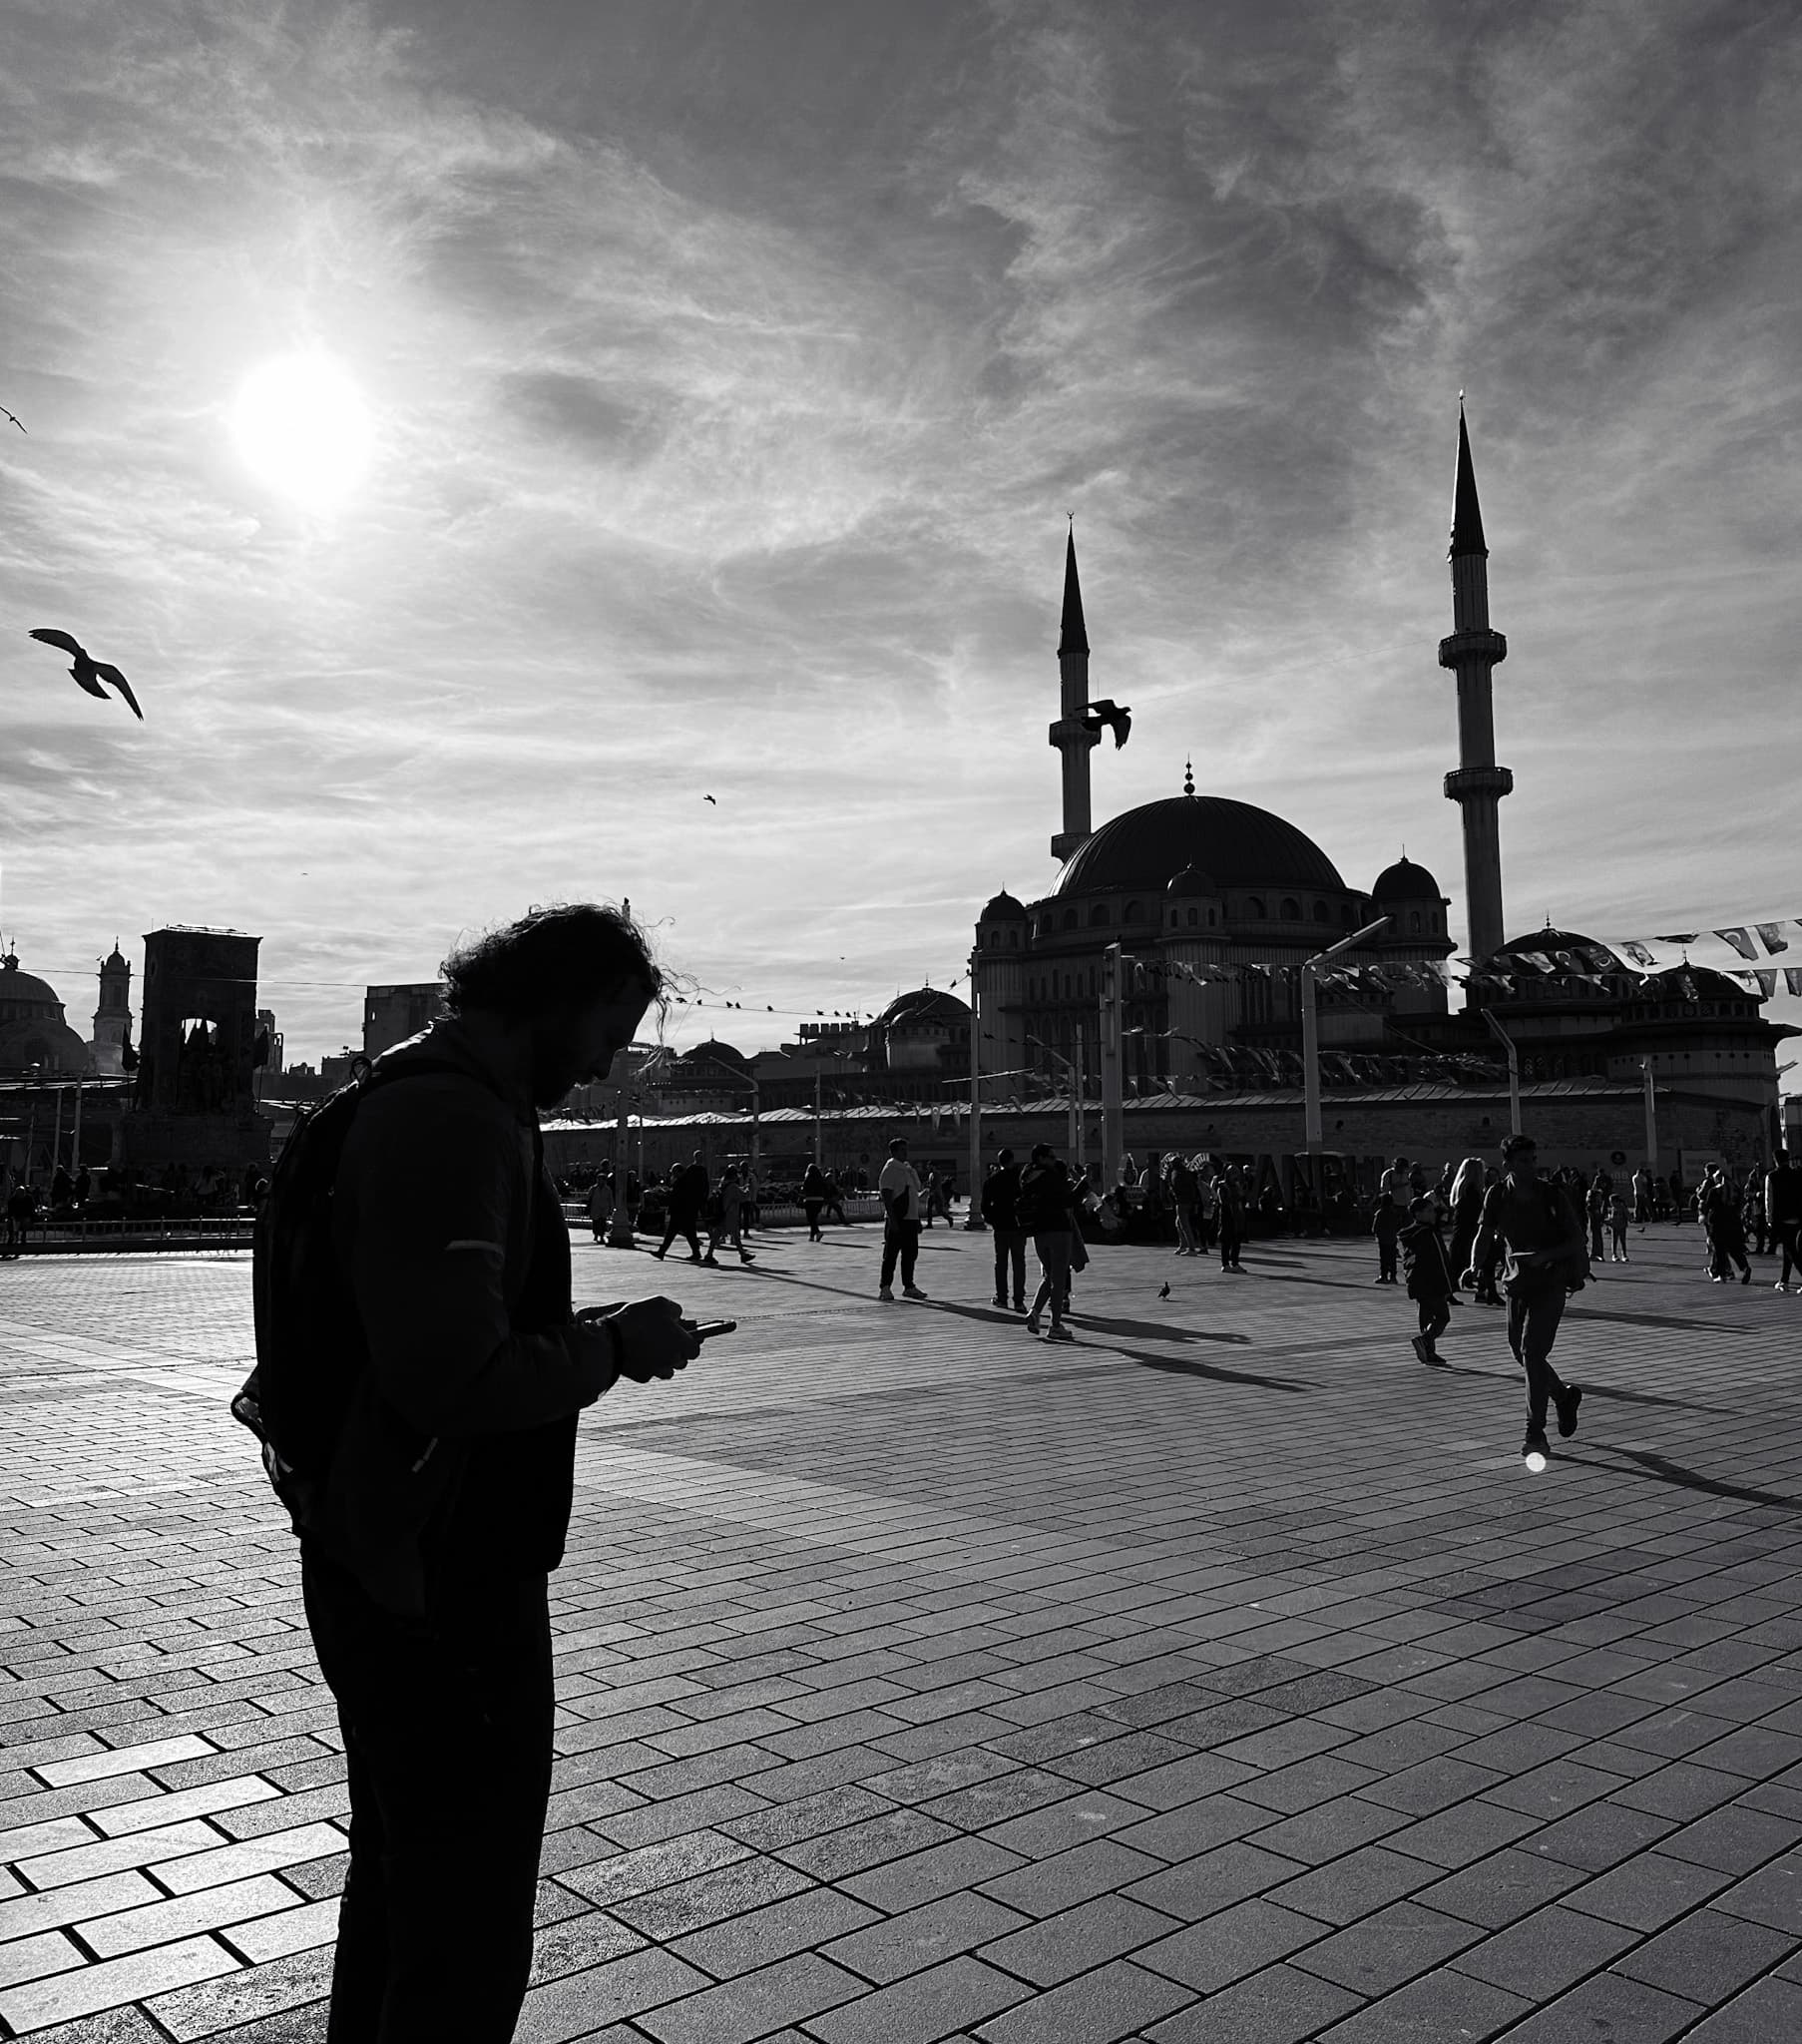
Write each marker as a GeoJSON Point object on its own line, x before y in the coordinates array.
{"type": "Point", "coordinates": [1651, 1114]}
{"type": "Point", "coordinates": [1310, 1043]}
{"type": "Point", "coordinates": [973, 1221]}
{"type": "Point", "coordinates": [1514, 1071]}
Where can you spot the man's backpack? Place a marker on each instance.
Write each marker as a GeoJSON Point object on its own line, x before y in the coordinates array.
{"type": "Point", "coordinates": [310, 1347]}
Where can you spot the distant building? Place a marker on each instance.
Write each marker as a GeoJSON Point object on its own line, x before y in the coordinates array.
{"type": "Point", "coordinates": [34, 1036]}
{"type": "Point", "coordinates": [266, 1026]}
{"type": "Point", "coordinates": [113, 1018]}
{"type": "Point", "coordinates": [393, 1013]}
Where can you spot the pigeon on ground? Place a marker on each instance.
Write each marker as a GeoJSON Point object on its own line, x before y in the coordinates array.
{"type": "Point", "coordinates": [14, 416]}
{"type": "Point", "coordinates": [89, 673]}
{"type": "Point", "coordinates": [1163, 1290]}
{"type": "Point", "coordinates": [1115, 714]}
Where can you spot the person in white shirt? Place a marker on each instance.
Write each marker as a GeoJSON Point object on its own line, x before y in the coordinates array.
{"type": "Point", "coordinates": [902, 1203]}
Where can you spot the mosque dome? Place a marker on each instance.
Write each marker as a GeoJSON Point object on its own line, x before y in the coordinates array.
{"type": "Point", "coordinates": [1191, 882]}
{"type": "Point", "coordinates": [1004, 908]}
{"type": "Point", "coordinates": [1704, 985]}
{"type": "Point", "coordinates": [720, 1053]}
{"type": "Point", "coordinates": [23, 994]}
{"type": "Point", "coordinates": [925, 1005]}
{"type": "Point", "coordinates": [1241, 846]}
{"type": "Point", "coordinates": [1549, 942]}
{"type": "Point", "coordinates": [1405, 882]}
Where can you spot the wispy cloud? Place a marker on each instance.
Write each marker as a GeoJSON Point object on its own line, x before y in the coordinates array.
{"type": "Point", "coordinates": [733, 371]}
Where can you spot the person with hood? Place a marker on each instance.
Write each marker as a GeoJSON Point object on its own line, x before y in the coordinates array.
{"type": "Point", "coordinates": [1045, 1211]}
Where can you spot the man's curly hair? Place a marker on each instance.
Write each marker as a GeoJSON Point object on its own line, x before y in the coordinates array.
{"type": "Point", "coordinates": [567, 956]}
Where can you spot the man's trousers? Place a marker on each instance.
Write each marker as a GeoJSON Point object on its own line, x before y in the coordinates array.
{"type": "Point", "coordinates": [1533, 1320]}
{"type": "Point", "coordinates": [447, 1747]}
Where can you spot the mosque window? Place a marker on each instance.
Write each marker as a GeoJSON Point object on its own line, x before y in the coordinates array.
{"type": "Point", "coordinates": [1254, 908]}
{"type": "Point", "coordinates": [1291, 910]}
{"type": "Point", "coordinates": [1013, 941]}
{"type": "Point", "coordinates": [1414, 921]}
{"type": "Point", "coordinates": [1194, 916]}
{"type": "Point", "coordinates": [1210, 918]}
{"type": "Point", "coordinates": [1098, 913]}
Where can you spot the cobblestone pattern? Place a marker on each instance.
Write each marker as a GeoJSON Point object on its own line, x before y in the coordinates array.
{"type": "Point", "coordinates": [1220, 1677]}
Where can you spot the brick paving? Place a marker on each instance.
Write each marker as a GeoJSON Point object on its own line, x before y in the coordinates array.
{"type": "Point", "coordinates": [1223, 1676]}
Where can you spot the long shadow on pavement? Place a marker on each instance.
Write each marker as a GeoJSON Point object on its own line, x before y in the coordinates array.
{"type": "Point", "coordinates": [1663, 1470]}
{"type": "Point", "coordinates": [1187, 1366]}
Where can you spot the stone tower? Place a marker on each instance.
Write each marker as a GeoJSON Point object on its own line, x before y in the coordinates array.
{"type": "Point", "coordinates": [1069, 735]}
{"type": "Point", "coordinates": [113, 1018]}
{"type": "Point", "coordinates": [1472, 651]}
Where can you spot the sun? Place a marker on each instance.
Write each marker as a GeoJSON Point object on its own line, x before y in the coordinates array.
{"type": "Point", "coordinates": [300, 422]}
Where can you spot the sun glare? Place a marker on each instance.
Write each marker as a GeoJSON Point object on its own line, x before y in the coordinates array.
{"type": "Point", "coordinates": [301, 424]}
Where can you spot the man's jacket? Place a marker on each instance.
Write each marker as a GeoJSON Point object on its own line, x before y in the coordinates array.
{"type": "Point", "coordinates": [1000, 1198]}
{"type": "Point", "coordinates": [457, 1460]}
{"type": "Point", "coordinates": [1045, 1198]}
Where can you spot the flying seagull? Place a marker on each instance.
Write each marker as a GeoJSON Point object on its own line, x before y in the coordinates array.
{"type": "Point", "coordinates": [14, 416]}
{"type": "Point", "coordinates": [1116, 714]}
{"type": "Point", "coordinates": [89, 673]}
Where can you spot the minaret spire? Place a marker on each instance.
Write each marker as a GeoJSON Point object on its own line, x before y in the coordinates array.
{"type": "Point", "coordinates": [1472, 651]}
{"type": "Point", "coordinates": [1071, 735]}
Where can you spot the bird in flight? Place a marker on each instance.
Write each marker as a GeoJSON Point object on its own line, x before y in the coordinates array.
{"type": "Point", "coordinates": [710, 799]}
{"type": "Point", "coordinates": [89, 673]}
{"type": "Point", "coordinates": [1115, 714]}
{"type": "Point", "coordinates": [14, 416]}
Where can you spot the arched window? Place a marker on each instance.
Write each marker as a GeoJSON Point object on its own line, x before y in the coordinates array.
{"type": "Point", "coordinates": [1210, 918]}
{"type": "Point", "coordinates": [1134, 913]}
{"type": "Point", "coordinates": [1291, 909]}
{"type": "Point", "coordinates": [1098, 914]}
{"type": "Point", "coordinates": [1013, 941]}
{"type": "Point", "coordinates": [1194, 916]}
{"type": "Point", "coordinates": [1414, 921]}
{"type": "Point", "coordinates": [1254, 908]}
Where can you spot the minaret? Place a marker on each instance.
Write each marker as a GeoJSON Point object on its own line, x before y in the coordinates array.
{"type": "Point", "coordinates": [1471, 651]}
{"type": "Point", "coordinates": [1069, 735]}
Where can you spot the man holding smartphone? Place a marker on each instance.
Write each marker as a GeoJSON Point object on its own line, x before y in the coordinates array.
{"type": "Point", "coordinates": [449, 1492]}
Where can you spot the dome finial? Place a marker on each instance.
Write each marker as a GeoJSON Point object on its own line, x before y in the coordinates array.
{"type": "Point", "coordinates": [1189, 777]}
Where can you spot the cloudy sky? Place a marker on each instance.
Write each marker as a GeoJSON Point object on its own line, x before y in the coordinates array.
{"type": "Point", "coordinates": [729, 368]}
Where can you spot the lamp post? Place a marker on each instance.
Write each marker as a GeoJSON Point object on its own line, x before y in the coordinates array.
{"type": "Point", "coordinates": [973, 1221]}
{"type": "Point", "coordinates": [1651, 1114]}
{"type": "Point", "coordinates": [1514, 1071]}
{"type": "Point", "coordinates": [1310, 1044]}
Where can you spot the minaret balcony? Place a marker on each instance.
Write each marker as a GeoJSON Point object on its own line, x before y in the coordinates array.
{"type": "Point", "coordinates": [1479, 784]}
{"type": "Point", "coordinates": [1464, 648]}
{"type": "Point", "coordinates": [1071, 730]}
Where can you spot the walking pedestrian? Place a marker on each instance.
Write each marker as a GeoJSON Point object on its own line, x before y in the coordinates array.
{"type": "Point", "coordinates": [1185, 1192]}
{"type": "Point", "coordinates": [1783, 1213]}
{"type": "Point", "coordinates": [1386, 1222]}
{"type": "Point", "coordinates": [425, 1578]}
{"type": "Point", "coordinates": [1543, 1239]}
{"type": "Point", "coordinates": [902, 1199]}
{"type": "Point", "coordinates": [1043, 1210]}
{"type": "Point", "coordinates": [689, 1188]}
{"type": "Point", "coordinates": [600, 1205]}
{"type": "Point", "coordinates": [728, 1225]}
{"type": "Point", "coordinates": [1001, 1212]}
{"type": "Point", "coordinates": [1230, 1211]}
{"type": "Point", "coordinates": [1642, 1198]}
{"type": "Point", "coordinates": [815, 1191]}
{"type": "Point", "coordinates": [1429, 1281]}
{"type": "Point", "coordinates": [1596, 1204]}
{"type": "Point", "coordinates": [1717, 1204]}
{"type": "Point", "coordinates": [1467, 1211]}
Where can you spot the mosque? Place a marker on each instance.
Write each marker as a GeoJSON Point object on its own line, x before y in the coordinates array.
{"type": "Point", "coordinates": [36, 1037]}
{"type": "Point", "coordinates": [1215, 903]}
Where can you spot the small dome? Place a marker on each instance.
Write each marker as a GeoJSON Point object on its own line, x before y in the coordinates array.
{"type": "Point", "coordinates": [1708, 985]}
{"type": "Point", "coordinates": [720, 1053]}
{"type": "Point", "coordinates": [23, 989]}
{"type": "Point", "coordinates": [1004, 908]}
{"type": "Point", "coordinates": [115, 961]}
{"type": "Point", "coordinates": [925, 1004]}
{"type": "Point", "coordinates": [1190, 881]}
{"type": "Point", "coordinates": [1405, 882]}
{"type": "Point", "coordinates": [1595, 957]}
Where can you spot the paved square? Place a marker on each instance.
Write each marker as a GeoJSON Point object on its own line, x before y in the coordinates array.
{"type": "Point", "coordinates": [1222, 1676]}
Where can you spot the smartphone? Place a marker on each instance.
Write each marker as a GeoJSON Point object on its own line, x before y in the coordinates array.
{"type": "Point", "coordinates": [700, 1329]}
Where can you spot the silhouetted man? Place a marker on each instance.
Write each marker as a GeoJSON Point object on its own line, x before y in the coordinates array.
{"type": "Point", "coordinates": [688, 1199]}
{"type": "Point", "coordinates": [1783, 1211]}
{"type": "Point", "coordinates": [448, 1495]}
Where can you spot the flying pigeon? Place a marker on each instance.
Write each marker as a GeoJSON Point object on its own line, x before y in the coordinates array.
{"type": "Point", "coordinates": [1163, 1290]}
{"type": "Point", "coordinates": [14, 416]}
{"type": "Point", "coordinates": [1116, 714]}
{"type": "Point", "coordinates": [89, 673]}
{"type": "Point", "coordinates": [710, 799]}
